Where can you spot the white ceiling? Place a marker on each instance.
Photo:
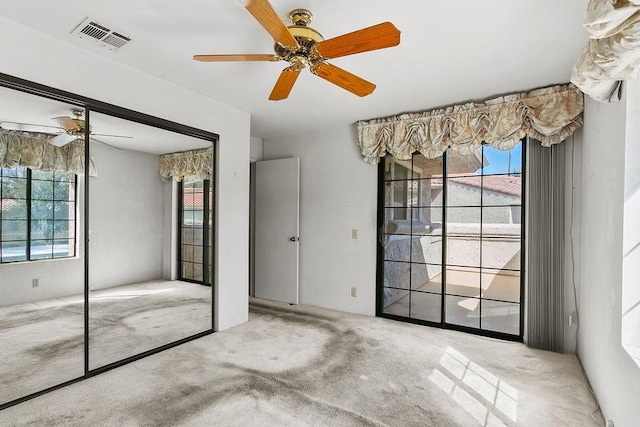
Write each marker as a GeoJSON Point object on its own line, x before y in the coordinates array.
{"type": "Point", "coordinates": [450, 51]}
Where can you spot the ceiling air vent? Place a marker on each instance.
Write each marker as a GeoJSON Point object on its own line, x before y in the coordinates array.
{"type": "Point", "coordinates": [90, 30]}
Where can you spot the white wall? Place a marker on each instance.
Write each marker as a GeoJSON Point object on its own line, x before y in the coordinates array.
{"type": "Point", "coordinates": [338, 193]}
{"type": "Point", "coordinates": [34, 56]}
{"type": "Point", "coordinates": [57, 278]}
{"type": "Point", "coordinates": [631, 239]}
{"type": "Point", "coordinates": [126, 218]}
{"type": "Point", "coordinates": [614, 377]}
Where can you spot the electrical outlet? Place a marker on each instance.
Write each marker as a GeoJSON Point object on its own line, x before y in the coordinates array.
{"type": "Point", "coordinates": [609, 423]}
{"type": "Point", "coordinates": [35, 283]}
{"type": "Point", "coordinates": [354, 292]}
{"type": "Point", "coordinates": [354, 234]}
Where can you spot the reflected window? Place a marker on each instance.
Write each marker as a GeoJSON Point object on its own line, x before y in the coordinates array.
{"type": "Point", "coordinates": [37, 215]}
{"type": "Point", "coordinates": [195, 230]}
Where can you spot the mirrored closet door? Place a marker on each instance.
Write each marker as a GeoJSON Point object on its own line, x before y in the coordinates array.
{"type": "Point", "coordinates": [106, 237]}
{"type": "Point", "coordinates": [41, 246]}
{"type": "Point", "coordinates": [137, 224]}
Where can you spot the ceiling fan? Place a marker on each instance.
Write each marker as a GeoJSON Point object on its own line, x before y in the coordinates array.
{"type": "Point", "coordinates": [302, 47]}
{"type": "Point", "coordinates": [68, 130]}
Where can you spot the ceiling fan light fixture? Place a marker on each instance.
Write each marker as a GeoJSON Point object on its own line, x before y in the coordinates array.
{"type": "Point", "coordinates": [307, 34]}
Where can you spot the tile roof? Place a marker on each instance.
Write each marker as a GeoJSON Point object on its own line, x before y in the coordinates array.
{"type": "Point", "coordinates": [193, 198]}
{"type": "Point", "coordinates": [506, 184]}
{"type": "Point", "coordinates": [7, 203]}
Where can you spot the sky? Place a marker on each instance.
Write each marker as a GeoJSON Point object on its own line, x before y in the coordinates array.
{"type": "Point", "coordinates": [499, 160]}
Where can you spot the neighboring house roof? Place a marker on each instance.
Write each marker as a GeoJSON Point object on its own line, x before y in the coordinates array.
{"type": "Point", "coordinates": [193, 198]}
{"type": "Point", "coordinates": [7, 203]}
{"type": "Point", "coordinates": [505, 184]}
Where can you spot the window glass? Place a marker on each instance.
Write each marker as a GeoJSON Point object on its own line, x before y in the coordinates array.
{"type": "Point", "coordinates": [36, 208]}
{"type": "Point", "coordinates": [452, 236]}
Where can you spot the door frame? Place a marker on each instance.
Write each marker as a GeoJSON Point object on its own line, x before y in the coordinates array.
{"type": "Point", "coordinates": [380, 227]}
{"type": "Point", "coordinates": [284, 293]}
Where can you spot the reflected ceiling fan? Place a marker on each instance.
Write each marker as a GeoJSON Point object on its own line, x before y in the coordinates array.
{"type": "Point", "coordinates": [302, 47]}
{"type": "Point", "coordinates": [68, 130]}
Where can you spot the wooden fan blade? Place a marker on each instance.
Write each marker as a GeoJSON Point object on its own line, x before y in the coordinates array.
{"type": "Point", "coordinates": [342, 78]}
{"type": "Point", "coordinates": [284, 84]}
{"type": "Point", "coordinates": [66, 123]}
{"type": "Point", "coordinates": [235, 57]}
{"type": "Point", "coordinates": [372, 38]}
{"type": "Point", "coordinates": [268, 18]}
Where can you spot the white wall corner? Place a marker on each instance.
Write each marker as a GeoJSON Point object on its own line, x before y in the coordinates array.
{"type": "Point", "coordinates": [613, 374]}
{"type": "Point", "coordinates": [338, 193]}
{"type": "Point", "coordinates": [232, 227]}
{"type": "Point", "coordinates": [631, 240]}
{"type": "Point", "coordinates": [257, 149]}
{"type": "Point", "coordinates": [170, 249]}
{"type": "Point", "coordinates": [572, 240]}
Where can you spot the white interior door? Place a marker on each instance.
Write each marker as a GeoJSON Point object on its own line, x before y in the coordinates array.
{"type": "Point", "coordinates": [277, 227]}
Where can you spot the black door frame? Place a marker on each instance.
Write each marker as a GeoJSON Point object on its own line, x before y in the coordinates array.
{"type": "Point", "coordinates": [442, 323]}
{"type": "Point", "coordinates": [207, 219]}
{"type": "Point", "coordinates": [93, 105]}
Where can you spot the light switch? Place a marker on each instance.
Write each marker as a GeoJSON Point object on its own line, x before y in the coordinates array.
{"type": "Point", "coordinates": [354, 234]}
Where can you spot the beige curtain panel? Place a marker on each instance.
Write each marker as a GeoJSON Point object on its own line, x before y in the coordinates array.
{"type": "Point", "coordinates": [612, 53]}
{"type": "Point", "coordinates": [22, 149]}
{"type": "Point", "coordinates": [548, 115]}
{"type": "Point", "coordinates": [194, 164]}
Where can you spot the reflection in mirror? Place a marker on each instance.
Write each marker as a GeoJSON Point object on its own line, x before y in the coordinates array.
{"type": "Point", "coordinates": [150, 239]}
{"type": "Point", "coordinates": [41, 250]}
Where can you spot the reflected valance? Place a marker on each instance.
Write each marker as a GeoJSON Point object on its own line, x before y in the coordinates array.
{"type": "Point", "coordinates": [194, 164]}
{"type": "Point", "coordinates": [612, 53]}
{"type": "Point", "coordinates": [548, 115]}
{"type": "Point", "coordinates": [31, 150]}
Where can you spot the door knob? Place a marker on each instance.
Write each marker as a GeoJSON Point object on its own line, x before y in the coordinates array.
{"type": "Point", "coordinates": [294, 239]}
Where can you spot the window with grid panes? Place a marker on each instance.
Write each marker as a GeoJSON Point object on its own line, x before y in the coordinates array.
{"type": "Point", "coordinates": [37, 215]}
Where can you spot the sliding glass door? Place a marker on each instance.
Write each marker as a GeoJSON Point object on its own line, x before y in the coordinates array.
{"type": "Point", "coordinates": [451, 241]}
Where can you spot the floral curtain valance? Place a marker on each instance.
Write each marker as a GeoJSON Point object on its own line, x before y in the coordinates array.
{"type": "Point", "coordinates": [548, 115]}
{"type": "Point", "coordinates": [23, 149]}
{"type": "Point", "coordinates": [612, 53]}
{"type": "Point", "coordinates": [194, 164]}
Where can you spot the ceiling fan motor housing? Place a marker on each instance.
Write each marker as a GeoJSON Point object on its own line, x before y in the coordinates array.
{"type": "Point", "coordinates": [80, 123]}
{"type": "Point", "coordinates": [304, 54]}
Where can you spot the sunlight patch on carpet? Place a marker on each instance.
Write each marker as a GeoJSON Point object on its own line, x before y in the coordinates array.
{"type": "Point", "coordinates": [462, 379]}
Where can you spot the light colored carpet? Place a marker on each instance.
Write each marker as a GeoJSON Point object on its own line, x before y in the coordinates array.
{"type": "Point", "coordinates": [42, 343]}
{"type": "Point", "coordinates": [301, 365]}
